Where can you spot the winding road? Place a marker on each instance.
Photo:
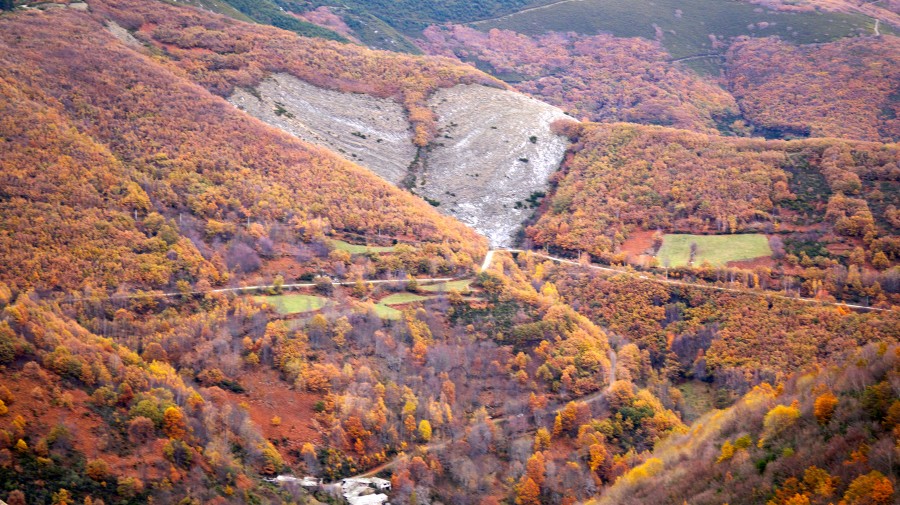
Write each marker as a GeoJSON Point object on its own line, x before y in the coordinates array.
{"type": "Point", "coordinates": [671, 282]}
{"type": "Point", "coordinates": [488, 260]}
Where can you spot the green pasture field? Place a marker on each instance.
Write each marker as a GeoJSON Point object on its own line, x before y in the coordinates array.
{"type": "Point", "coordinates": [718, 250]}
{"type": "Point", "coordinates": [359, 249]}
{"type": "Point", "coordinates": [401, 298]}
{"type": "Point", "coordinates": [293, 304]}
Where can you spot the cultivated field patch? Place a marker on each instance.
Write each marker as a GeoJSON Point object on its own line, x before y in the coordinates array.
{"type": "Point", "coordinates": [717, 250]}
{"type": "Point", "coordinates": [293, 304]}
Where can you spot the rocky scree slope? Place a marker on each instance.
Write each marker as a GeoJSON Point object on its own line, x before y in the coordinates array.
{"type": "Point", "coordinates": [492, 158]}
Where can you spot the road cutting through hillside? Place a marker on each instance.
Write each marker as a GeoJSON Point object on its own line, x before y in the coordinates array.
{"type": "Point", "coordinates": [671, 282]}
{"type": "Point", "coordinates": [488, 260]}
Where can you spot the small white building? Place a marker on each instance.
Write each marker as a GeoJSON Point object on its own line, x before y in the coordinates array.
{"type": "Point", "coordinates": [381, 484]}
{"type": "Point", "coordinates": [361, 491]}
{"type": "Point", "coordinates": [356, 491]}
{"type": "Point", "coordinates": [369, 499]}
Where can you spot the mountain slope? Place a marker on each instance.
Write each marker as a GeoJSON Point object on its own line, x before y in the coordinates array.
{"type": "Point", "coordinates": [597, 78]}
{"type": "Point", "coordinates": [827, 435]}
{"type": "Point", "coordinates": [848, 88]}
{"type": "Point", "coordinates": [192, 169]}
{"type": "Point", "coordinates": [221, 54]}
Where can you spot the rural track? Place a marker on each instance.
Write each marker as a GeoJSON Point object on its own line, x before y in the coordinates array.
{"type": "Point", "coordinates": [488, 260]}
{"type": "Point", "coordinates": [590, 398]}
{"type": "Point", "coordinates": [523, 11]}
{"type": "Point", "coordinates": [698, 57]}
{"type": "Point", "coordinates": [672, 282]}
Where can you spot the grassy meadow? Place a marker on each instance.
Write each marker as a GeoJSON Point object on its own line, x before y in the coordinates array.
{"type": "Point", "coordinates": [359, 249]}
{"type": "Point", "coordinates": [718, 250]}
{"type": "Point", "coordinates": [293, 304]}
{"type": "Point", "coordinates": [686, 25]}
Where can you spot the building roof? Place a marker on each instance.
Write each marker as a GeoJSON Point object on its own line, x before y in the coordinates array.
{"type": "Point", "coordinates": [369, 499]}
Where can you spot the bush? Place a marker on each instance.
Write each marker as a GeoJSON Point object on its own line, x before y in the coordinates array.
{"type": "Point", "coordinates": [777, 420]}
{"type": "Point", "coordinates": [97, 469]}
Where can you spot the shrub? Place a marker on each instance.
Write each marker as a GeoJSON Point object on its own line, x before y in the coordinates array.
{"type": "Point", "coordinates": [97, 469]}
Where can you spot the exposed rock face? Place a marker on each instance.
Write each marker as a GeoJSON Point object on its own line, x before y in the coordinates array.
{"type": "Point", "coordinates": [122, 34]}
{"type": "Point", "coordinates": [371, 132]}
{"type": "Point", "coordinates": [494, 151]}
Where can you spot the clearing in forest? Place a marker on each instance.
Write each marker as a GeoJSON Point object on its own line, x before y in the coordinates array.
{"type": "Point", "coordinates": [718, 250]}
{"type": "Point", "coordinates": [360, 249]}
{"type": "Point", "coordinates": [293, 304]}
{"type": "Point", "coordinates": [401, 298]}
{"type": "Point", "coordinates": [460, 286]}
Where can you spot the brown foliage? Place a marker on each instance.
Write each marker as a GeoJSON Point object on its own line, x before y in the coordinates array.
{"type": "Point", "coordinates": [100, 135]}
{"type": "Point", "coordinates": [600, 77]}
{"type": "Point", "coordinates": [838, 89]}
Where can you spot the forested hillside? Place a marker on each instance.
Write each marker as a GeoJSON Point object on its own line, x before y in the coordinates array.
{"type": "Point", "coordinates": [596, 78]}
{"type": "Point", "coordinates": [828, 205]}
{"type": "Point", "coordinates": [122, 176]}
{"type": "Point", "coordinates": [183, 184]}
{"type": "Point", "coordinates": [734, 340]}
{"type": "Point", "coordinates": [828, 436]}
{"type": "Point", "coordinates": [844, 89]}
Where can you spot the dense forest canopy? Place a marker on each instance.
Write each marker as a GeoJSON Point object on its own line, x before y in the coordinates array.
{"type": "Point", "coordinates": [844, 89]}
{"type": "Point", "coordinates": [597, 78]}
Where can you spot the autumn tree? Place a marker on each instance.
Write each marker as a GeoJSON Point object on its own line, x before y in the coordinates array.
{"type": "Point", "coordinates": [542, 439]}
{"type": "Point", "coordinates": [425, 430]}
{"type": "Point", "coordinates": [535, 468]}
{"type": "Point", "coordinates": [97, 469]}
{"type": "Point", "coordinates": [823, 407]}
{"type": "Point", "coordinates": [778, 419]}
{"type": "Point", "coordinates": [872, 488]}
{"type": "Point", "coordinates": [528, 492]}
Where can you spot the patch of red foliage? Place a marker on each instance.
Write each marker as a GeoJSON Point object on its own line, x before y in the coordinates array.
{"type": "Point", "coordinates": [45, 405]}
{"type": "Point", "coordinates": [636, 246]}
{"type": "Point", "coordinates": [765, 261]}
{"type": "Point", "coordinates": [286, 266]}
{"type": "Point", "coordinates": [268, 396]}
